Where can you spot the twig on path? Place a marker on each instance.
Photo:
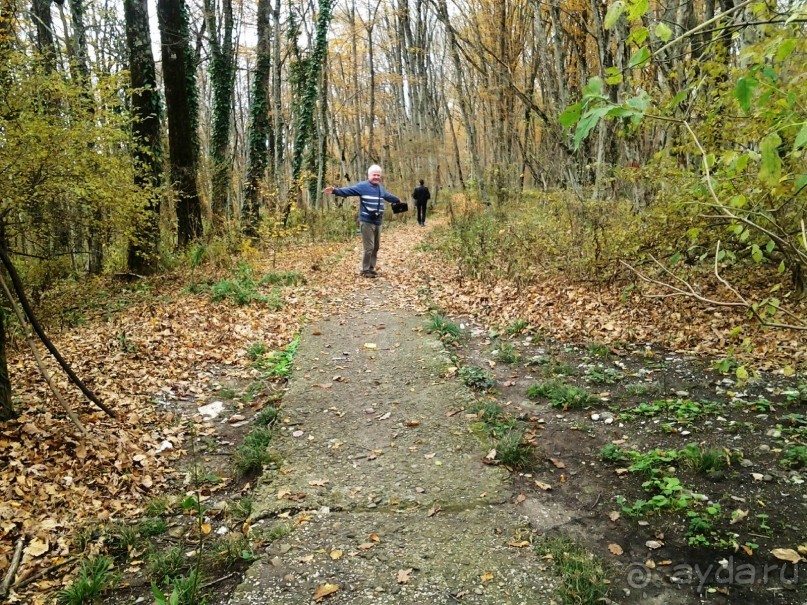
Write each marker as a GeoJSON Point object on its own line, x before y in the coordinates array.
{"type": "Point", "coordinates": [44, 572]}
{"type": "Point", "coordinates": [218, 580]}
{"type": "Point", "coordinates": [12, 570]}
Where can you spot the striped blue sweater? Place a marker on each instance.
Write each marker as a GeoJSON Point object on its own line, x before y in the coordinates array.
{"type": "Point", "coordinates": [371, 206]}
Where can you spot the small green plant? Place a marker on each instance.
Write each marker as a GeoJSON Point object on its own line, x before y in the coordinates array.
{"type": "Point", "coordinates": [537, 360]}
{"type": "Point", "coordinates": [242, 509]}
{"type": "Point", "coordinates": [506, 353]}
{"type": "Point", "coordinates": [487, 411]}
{"type": "Point", "coordinates": [231, 549]}
{"type": "Point", "coordinates": [512, 451]}
{"type": "Point", "coordinates": [612, 453]}
{"type": "Point", "coordinates": [123, 537]}
{"type": "Point", "coordinates": [256, 350]}
{"type": "Point", "coordinates": [95, 575]}
{"type": "Point", "coordinates": [603, 376]}
{"type": "Point", "coordinates": [652, 463]}
{"type": "Point", "coordinates": [703, 460]}
{"type": "Point", "coordinates": [167, 563]}
{"type": "Point", "coordinates": [476, 378]}
{"type": "Point", "coordinates": [448, 331]}
{"type": "Point", "coordinates": [795, 457]}
{"type": "Point", "coordinates": [185, 590]}
{"type": "Point", "coordinates": [275, 300]}
{"type": "Point", "coordinates": [797, 394]}
{"type": "Point", "coordinates": [278, 364]}
{"type": "Point", "coordinates": [727, 365]}
{"type": "Point", "coordinates": [599, 349]}
{"type": "Point", "coordinates": [763, 524]}
{"type": "Point", "coordinates": [516, 327]}
{"type": "Point", "coordinates": [584, 577]}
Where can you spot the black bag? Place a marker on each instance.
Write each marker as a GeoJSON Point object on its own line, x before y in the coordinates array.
{"type": "Point", "coordinates": [398, 207]}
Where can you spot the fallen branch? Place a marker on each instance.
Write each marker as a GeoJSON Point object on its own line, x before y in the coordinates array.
{"type": "Point", "coordinates": [70, 413]}
{"type": "Point", "coordinates": [12, 570]}
{"type": "Point", "coordinates": [41, 574]}
{"type": "Point", "coordinates": [218, 580]}
{"type": "Point", "coordinates": [686, 290]}
{"type": "Point", "coordinates": [29, 313]}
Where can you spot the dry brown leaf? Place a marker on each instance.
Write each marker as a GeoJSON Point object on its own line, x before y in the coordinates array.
{"type": "Point", "coordinates": [558, 462]}
{"type": "Point", "coordinates": [375, 538]}
{"type": "Point", "coordinates": [404, 576]}
{"type": "Point", "coordinates": [615, 549]}
{"type": "Point", "coordinates": [206, 528]}
{"type": "Point", "coordinates": [434, 510]}
{"type": "Point", "coordinates": [335, 554]}
{"type": "Point", "coordinates": [541, 485]}
{"type": "Point", "coordinates": [486, 577]}
{"type": "Point", "coordinates": [520, 498]}
{"type": "Point", "coordinates": [323, 590]}
{"type": "Point", "coordinates": [36, 547]}
{"type": "Point", "coordinates": [786, 554]}
{"type": "Point", "coordinates": [614, 516]}
{"type": "Point", "coordinates": [366, 545]}
{"type": "Point", "coordinates": [522, 544]}
{"type": "Point", "coordinates": [413, 423]}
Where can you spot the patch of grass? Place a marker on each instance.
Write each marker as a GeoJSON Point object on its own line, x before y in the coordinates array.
{"type": "Point", "coordinates": [560, 368]}
{"type": "Point", "coordinates": [275, 300]}
{"type": "Point", "coordinates": [584, 577]}
{"type": "Point", "coordinates": [652, 463]}
{"type": "Point", "coordinates": [152, 526]}
{"type": "Point", "coordinates": [95, 575]}
{"type": "Point", "coordinates": [282, 278]}
{"type": "Point", "coordinates": [599, 349]}
{"type": "Point", "coordinates": [512, 451]}
{"type": "Point", "coordinates": [476, 378]}
{"type": "Point", "coordinates": [516, 327]}
{"type": "Point", "coordinates": [506, 353]}
{"type": "Point", "coordinates": [227, 393]}
{"type": "Point", "coordinates": [448, 331]}
{"type": "Point", "coordinates": [704, 460]}
{"type": "Point", "coordinates": [252, 455]}
{"type": "Point", "coordinates": [797, 394]}
{"type": "Point", "coordinates": [612, 453]}
{"type": "Point", "coordinates": [682, 410]}
{"type": "Point", "coordinates": [241, 289]}
{"type": "Point", "coordinates": [266, 417]}
{"type": "Point", "coordinates": [242, 509]}
{"type": "Point", "coordinates": [161, 564]}
{"type": "Point", "coordinates": [794, 457]}
{"type": "Point", "coordinates": [561, 395]}
{"type": "Point", "coordinates": [256, 350]}
{"type": "Point", "coordinates": [537, 360]}
{"type": "Point", "coordinates": [231, 549]}
{"type": "Point", "coordinates": [158, 506]}
{"type": "Point", "coordinates": [487, 411]}
{"type": "Point", "coordinates": [279, 530]}
{"type": "Point", "coordinates": [123, 537]}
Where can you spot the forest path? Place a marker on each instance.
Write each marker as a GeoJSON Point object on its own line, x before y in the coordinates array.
{"type": "Point", "coordinates": [382, 479]}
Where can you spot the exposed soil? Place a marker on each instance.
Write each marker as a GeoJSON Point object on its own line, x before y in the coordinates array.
{"type": "Point", "coordinates": [752, 425]}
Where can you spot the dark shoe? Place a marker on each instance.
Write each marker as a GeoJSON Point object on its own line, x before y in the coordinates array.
{"type": "Point", "coordinates": [371, 274]}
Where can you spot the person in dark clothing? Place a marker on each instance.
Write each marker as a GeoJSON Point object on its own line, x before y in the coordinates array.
{"type": "Point", "coordinates": [372, 196]}
{"type": "Point", "coordinates": [421, 196]}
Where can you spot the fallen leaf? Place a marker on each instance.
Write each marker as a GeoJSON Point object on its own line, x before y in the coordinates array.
{"type": "Point", "coordinates": [613, 515]}
{"type": "Point", "coordinates": [486, 577]}
{"type": "Point", "coordinates": [385, 416]}
{"type": "Point", "coordinates": [653, 544]}
{"type": "Point", "coordinates": [650, 564]}
{"type": "Point", "coordinates": [404, 576]}
{"type": "Point", "coordinates": [375, 538]}
{"type": "Point", "coordinates": [615, 549]}
{"type": "Point", "coordinates": [366, 545]}
{"type": "Point", "coordinates": [206, 528]}
{"type": "Point", "coordinates": [491, 454]}
{"type": "Point", "coordinates": [413, 423]}
{"type": "Point", "coordinates": [541, 485]}
{"type": "Point", "coordinates": [323, 590]}
{"type": "Point", "coordinates": [335, 554]}
{"type": "Point", "coordinates": [786, 554]}
{"type": "Point", "coordinates": [522, 544]}
{"type": "Point", "coordinates": [370, 345]}
{"type": "Point", "coordinates": [306, 559]}
{"type": "Point", "coordinates": [558, 463]}
{"type": "Point", "coordinates": [520, 498]}
{"type": "Point", "coordinates": [434, 510]}
{"type": "Point", "coordinates": [37, 548]}
{"type": "Point", "coordinates": [738, 515]}
{"type": "Point", "coordinates": [318, 483]}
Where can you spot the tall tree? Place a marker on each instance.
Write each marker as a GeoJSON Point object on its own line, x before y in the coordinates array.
{"type": "Point", "coordinates": [259, 123]}
{"type": "Point", "coordinates": [305, 123]}
{"type": "Point", "coordinates": [40, 10]}
{"type": "Point", "coordinates": [143, 247]}
{"type": "Point", "coordinates": [222, 80]}
{"type": "Point", "coordinates": [181, 101]}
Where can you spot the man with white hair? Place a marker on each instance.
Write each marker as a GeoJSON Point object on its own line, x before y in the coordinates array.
{"type": "Point", "coordinates": [372, 196]}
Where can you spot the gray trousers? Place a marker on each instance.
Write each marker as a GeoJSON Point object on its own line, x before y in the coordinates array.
{"type": "Point", "coordinates": [370, 240]}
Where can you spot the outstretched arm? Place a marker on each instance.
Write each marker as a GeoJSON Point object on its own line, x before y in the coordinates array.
{"type": "Point", "coordinates": [342, 191]}
{"type": "Point", "coordinates": [389, 197]}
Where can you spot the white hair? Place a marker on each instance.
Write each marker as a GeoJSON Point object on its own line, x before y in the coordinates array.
{"type": "Point", "coordinates": [373, 168]}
